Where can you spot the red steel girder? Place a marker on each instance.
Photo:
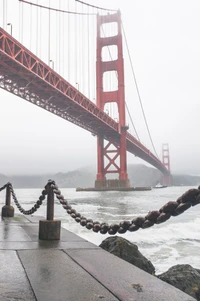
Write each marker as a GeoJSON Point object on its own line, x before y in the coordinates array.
{"type": "Point", "coordinates": [40, 79]}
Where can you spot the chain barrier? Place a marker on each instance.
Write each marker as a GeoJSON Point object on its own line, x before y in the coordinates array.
{"type": "Point", "coordinates": [172, 208]}
{"type": "Point", "coordinates": [34, 208]}
{"type": "Point", "coordinates": [3, 187]}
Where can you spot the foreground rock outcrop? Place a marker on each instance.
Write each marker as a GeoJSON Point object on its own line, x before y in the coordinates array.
{"type": "Point", "coordinates": [127, 251]}
{"type": "Point", "coordinates": [183, 276]}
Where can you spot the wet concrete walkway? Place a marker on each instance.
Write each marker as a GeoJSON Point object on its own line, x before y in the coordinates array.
{"type": "Point", "coordinates": [71, 269]}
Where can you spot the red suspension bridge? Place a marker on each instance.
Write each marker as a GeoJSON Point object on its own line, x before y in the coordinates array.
{"type": "Point", "coordinates": [26, 75]}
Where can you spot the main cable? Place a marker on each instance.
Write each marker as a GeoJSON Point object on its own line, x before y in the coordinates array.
{"type": "Point", "coordinates": [87, 4]}
{"type": "Point", "coordinates": [54, 9]}
{"type": "Point", "coordinates": [138, 92]}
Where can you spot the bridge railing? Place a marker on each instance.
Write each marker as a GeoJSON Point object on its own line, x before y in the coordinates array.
{"type": "Point", "coordinates": [49, 229]}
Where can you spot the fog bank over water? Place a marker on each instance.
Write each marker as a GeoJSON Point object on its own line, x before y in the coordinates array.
{"type": "Point", "coordinates": [139, 175]}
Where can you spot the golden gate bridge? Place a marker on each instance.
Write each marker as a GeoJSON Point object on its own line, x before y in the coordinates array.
{"type": "Point", "coordinates": [63, 58]}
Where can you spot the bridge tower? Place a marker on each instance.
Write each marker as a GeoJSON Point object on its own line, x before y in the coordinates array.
{"type": "Point", "coordinates": [111, 158]}
{"type": "Point", "coordinates": [166, 180]}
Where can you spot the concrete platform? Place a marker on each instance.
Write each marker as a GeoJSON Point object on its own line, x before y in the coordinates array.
{"type": "Point", "coordinates": [71, 269]}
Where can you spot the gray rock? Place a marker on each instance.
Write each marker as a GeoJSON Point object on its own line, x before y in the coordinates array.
{"type": "Point", "coordinates": [127, 251]}
{"type": "Point", "coordinates": [184, 277]}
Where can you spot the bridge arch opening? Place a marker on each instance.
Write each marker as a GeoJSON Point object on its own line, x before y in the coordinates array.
{"type": "Point", "coordinates": [109, 53]}
{"type": "Point", "coordinates": [109, 29]}
{"type": "Point", "coordinates": [110, 81]}
{"type": "Point", "coordinates": [111, 108]}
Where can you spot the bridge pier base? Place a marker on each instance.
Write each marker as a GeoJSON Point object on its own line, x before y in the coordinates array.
{"type": "Point", "coordinates": [111, 184]}
{"type": "Point", "coordinates": [166, 180]}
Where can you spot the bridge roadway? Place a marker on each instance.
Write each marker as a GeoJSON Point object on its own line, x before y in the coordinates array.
{"type": "Point", "coordinates": [25, 75]}
{"type": "Point", "coordinates": [71, 269]}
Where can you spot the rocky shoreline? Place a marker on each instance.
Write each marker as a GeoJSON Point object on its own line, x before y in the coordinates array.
{"type": "Point", "coordinates": [182, 276]}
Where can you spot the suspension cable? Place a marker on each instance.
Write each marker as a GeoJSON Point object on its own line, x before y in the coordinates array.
{"type": "Point", "coordinates": [30, 27]}
{"type": "Point", "coordinates": [107, 9]}
{"type": "Point", "coordinates": [132, 121]}
{"type": "Point", "coordinates": [88, 45]}
{"type": "Point", "coordinates": [37, 31]}
{"type": "Point", "coordinates": [138, 91]}
{"type": "Point", "coordinates": [55, 9]}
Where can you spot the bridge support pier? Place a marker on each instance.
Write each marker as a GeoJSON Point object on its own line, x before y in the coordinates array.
{"type": "Point", "coordinates": [166, 180]}
{"type": "Point", "coordinates": [111, 184]}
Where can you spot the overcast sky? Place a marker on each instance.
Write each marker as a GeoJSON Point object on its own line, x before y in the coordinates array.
{"type": "Point", "coordinates": [164, 44]}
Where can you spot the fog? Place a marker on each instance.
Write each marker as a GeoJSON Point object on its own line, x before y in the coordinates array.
{"type": "Point", "coordinates": [164, 44]}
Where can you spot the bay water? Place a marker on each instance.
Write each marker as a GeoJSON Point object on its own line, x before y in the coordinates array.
{"type": "Point", "coordinates": [177, 241]}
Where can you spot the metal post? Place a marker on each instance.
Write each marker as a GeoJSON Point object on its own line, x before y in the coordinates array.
{"type": "Point", "coordinates": [49, 229]}
{"type": "Point", "coordinates": [50, 204]}
{"type": "Point", "coordinates": [7, 210]}
{"type": "Point", "coordinates": [8, 195]}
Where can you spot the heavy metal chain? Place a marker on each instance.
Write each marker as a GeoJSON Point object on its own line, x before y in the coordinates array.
{"type": "Point", "coordinates": [172, 208]}
{"type": "Point", "coordinates": [34, 208]}
{"type": "Point", "coordinates": [3, 187]}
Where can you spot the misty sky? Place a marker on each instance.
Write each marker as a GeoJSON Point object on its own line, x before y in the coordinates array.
{"type": "Point", "coordinates": [164, 43]}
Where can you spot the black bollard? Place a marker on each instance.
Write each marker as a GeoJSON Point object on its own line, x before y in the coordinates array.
{"type": "Point", "coordinates": [49, 229]}
{"type": "Point", "coordinates": [7, 210]}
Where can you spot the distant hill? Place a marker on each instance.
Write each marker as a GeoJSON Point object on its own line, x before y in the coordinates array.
{"type": "Point", "coordinates": [139, 175]}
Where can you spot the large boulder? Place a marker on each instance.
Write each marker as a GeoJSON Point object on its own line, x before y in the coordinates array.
{"type": "Point", "coordinates": [184, 277]}
{"type": "Point", "coordinates": [127, 251]}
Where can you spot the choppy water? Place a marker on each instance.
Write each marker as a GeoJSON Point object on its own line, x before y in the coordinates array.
{"type": "Point", "coordinates": [177, 241]}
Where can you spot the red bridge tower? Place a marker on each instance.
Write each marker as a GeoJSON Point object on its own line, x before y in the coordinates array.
{"type": "Point", "coordinates": [111, 158]}
{"type": "Point", "coordinates": [166, 161]}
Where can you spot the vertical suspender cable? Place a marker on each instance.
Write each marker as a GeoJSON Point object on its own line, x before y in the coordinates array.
{"type": "Point", "coordinates": [88, 28]}
{"type": "Point", "coordinates": [94, 53]}
{"type": "Point", "coordinates": [68, 63]}
{"type": "Point", "coordinates": [59, 15]}
{"type": "Point", "coordinates": [4, 14]}
{"type": "Point", "coordinates": [49, 39]}
{"type": "Point", "coordinates": [22, 23]}
{"type": "Point", "coordinates": [56, 26]}
{"type": "Point", "coordinates": [75, 44]}
{"type": "Point", "coordinates": [80, 52]}
{"type": "Point", "coordinates": [40, 43]}
{"type": "Point", "coordinates": [108, 33]}
{"type": "Point", "coordinates": [19, 30]}
{"type": "Point", "coordinates": [63, 39]}
{"type": "Point", "coordinates": [37, 32]}
{"type": "Point", "coordinates": [30, 11]}
{"type": "Point", "coordinates": [82, 47]}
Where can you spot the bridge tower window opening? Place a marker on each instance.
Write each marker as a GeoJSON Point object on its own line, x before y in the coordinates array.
{"type": "Point", "coordinates": [111, 108]}
{"type": "Point", "coordinates": [109, 53]}
{"type": "Point", "coordinates": [110, 81]}
{"type": "Point", "coordinates": [109, 29]}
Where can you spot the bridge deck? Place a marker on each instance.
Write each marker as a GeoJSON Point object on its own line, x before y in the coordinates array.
{"type": "Point", "coordinates": [70, 269]}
